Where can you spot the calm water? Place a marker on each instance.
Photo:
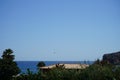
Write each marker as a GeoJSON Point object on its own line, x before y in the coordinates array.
{"type": "Point", "coordinates": [24, 65]}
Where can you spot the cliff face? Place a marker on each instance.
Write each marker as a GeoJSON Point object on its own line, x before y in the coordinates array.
{"type": "Point", "coordinates": [113, 58]}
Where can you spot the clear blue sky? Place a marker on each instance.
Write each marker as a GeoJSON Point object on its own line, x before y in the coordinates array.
{"type": "Point", "coordinates": [60, 29]}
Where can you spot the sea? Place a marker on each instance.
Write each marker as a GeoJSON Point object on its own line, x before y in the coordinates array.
{"type": "Point", "coordinates": [32, 65]}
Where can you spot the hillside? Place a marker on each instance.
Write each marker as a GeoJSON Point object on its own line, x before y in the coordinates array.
{"type": "Point", "coordinates": [113, 58]}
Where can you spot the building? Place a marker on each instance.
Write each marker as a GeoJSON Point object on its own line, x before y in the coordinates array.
{"type": "Point", "coordinates": [65, 66]}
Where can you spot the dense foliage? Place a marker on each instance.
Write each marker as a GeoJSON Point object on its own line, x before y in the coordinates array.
{"type": "Point", "coordinates": [8, 68]}
{"type": "Point", "coordinates": [98, 71]}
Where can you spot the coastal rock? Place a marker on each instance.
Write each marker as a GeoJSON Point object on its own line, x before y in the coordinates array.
{"type": "Point", "coordinates": [113, 58]}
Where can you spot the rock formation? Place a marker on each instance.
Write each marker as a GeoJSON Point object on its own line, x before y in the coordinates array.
{"type": "Point", "coordinates": [113, 58]}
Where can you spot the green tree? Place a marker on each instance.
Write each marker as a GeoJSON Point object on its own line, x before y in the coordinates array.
{"type": "Point", "coordinates": [8, 67]}
{"type": "Point", "coordinates": [41, 64]}
{"type": "Point", "coordinates": [7, 55]}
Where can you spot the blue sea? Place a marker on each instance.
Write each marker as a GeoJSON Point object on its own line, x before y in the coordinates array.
{"type": "Point", "coordinates": [24, 65]}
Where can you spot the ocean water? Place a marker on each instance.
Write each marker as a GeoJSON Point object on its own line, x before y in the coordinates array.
{"type": "Point", "coordinates": [32, 65]}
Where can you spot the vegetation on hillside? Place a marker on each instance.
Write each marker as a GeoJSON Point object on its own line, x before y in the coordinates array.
{"type": "Point", "coordinates": [94, 72]}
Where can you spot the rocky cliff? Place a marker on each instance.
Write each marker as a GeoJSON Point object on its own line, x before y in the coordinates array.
{"type": "Point", "coordinates": [113, 58]}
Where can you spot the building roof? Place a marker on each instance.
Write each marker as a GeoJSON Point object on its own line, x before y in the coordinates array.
{"type": "Point", "coordinates": [67, 66]}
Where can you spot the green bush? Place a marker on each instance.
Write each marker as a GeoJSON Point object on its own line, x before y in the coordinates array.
{"type": "Point", "coordinates": [97, 72]}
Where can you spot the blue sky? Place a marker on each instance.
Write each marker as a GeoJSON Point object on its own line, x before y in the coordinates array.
{"type": "Point", "coordinates": [60, 29]}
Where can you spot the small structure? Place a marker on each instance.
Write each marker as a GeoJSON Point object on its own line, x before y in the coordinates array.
{"type": "Point", "coordinates": [65, 66]}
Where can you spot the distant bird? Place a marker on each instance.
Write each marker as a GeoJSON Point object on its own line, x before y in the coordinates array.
{"type": "Point", "coordinates": [54, 51]}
